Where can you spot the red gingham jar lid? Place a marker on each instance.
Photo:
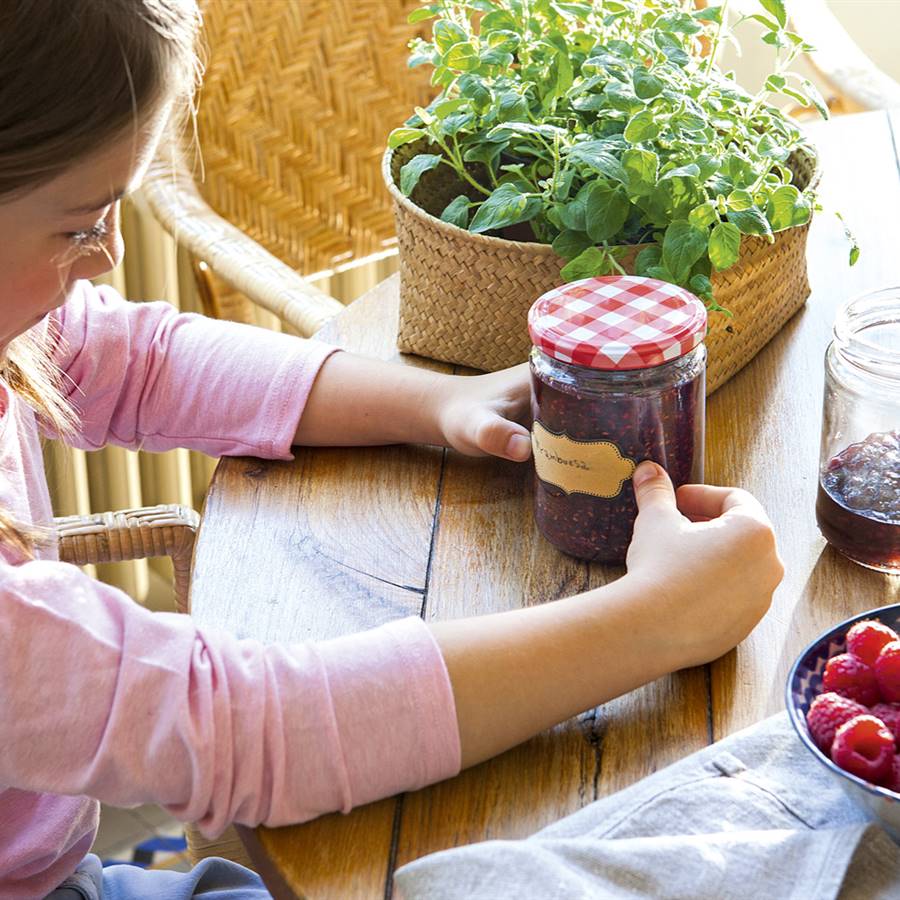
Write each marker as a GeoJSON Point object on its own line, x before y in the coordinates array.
{"type": "Point", "coordinates": [617, 322]}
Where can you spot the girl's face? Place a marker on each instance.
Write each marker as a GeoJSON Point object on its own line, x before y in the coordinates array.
{"type": "Point", "coordinates": [68, 228]}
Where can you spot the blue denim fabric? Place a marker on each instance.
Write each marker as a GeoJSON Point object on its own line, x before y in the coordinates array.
{"type": "Point", "coordinates": [212, 879]}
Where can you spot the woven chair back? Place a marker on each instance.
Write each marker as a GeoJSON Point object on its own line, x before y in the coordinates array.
{"type": "Point", "coordinates": [297, 102]}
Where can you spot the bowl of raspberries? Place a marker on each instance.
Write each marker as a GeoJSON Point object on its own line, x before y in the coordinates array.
{"type": "Point", "coordinates": [843, 698]}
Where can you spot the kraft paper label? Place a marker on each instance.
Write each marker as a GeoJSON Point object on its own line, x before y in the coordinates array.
{"type": "Point", "coordinates": [585, 467]}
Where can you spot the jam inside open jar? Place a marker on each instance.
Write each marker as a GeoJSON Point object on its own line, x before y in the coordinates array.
{"type": "Point", "coordinates": [858, 501]}
{"type": "Point", "coordinates": [618, 376]}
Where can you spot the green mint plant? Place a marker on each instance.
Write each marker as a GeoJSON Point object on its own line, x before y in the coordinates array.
{"type": "Point", "coordinates": [605, 124]}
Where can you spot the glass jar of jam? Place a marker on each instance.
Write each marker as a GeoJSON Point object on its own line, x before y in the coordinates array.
{"type": "Point", "coordinates": [618, 374]}
{"type": "Point", "coordinates": [858, 500]}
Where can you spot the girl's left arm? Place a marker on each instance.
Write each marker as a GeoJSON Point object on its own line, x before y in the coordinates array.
{"type": "Point", "coordinates": [358, 401]}
{"type": "Point", "coordinates": [143, 375]}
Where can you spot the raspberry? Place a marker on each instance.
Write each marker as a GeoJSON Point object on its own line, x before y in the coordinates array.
{"type": "Point", "coordinates": [850, 677]}
{"type": "Point", "coordinates": [864, 747]}
{"type": "Point", "coordinates": [887, 672]}
{"type": "Point", "coordinates": [889, 713]}
{"type": "Point", "coordinates": [865, 640]}
{"type": "Point", "coordinates": [892, 782]}
{"type": "Point", "coordinates": [827, 713]}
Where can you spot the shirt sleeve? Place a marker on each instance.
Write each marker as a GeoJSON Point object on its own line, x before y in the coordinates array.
{"type": "Point", "coordinates": [143, 375]}
{"type": "Point", "coordinates": [104, 698]}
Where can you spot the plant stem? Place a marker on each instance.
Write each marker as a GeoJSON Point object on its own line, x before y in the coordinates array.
{"type": "Point", "coordinates": [717, 39]}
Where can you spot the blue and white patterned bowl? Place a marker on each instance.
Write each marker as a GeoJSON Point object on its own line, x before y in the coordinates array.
{"type": "Point", "coordinates": [805, 683]}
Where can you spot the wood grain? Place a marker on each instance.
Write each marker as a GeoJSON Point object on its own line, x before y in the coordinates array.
{"type": "Point", "coordinates": [339, 540]}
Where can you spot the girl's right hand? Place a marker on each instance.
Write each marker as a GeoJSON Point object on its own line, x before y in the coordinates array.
{"type": "Point", "coordinates": [707, 561]}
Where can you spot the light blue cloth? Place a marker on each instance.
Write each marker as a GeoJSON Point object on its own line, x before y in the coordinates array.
{"type": "Point", "coordinates": [751, 817]}
{"type": "Point", "coordinates": [211, 879]}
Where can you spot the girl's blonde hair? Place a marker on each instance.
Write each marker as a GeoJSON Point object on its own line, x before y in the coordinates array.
{"type": "Point", "coordinates": [72, 77]}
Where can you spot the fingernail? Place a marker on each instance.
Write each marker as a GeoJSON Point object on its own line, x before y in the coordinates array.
{"type": "Point", "coordinates": [518, 446]}
{"type": "Point", "coordinates": [644, 472]}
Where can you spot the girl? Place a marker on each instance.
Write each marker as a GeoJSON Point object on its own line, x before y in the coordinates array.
{"type": "Point", "coordinates": [86, 91]}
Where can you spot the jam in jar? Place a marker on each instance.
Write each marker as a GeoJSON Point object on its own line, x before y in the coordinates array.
{"type": "Point", "coordinates": [618, 375]}
{"type": "Point", "coordinates": [858, 501]}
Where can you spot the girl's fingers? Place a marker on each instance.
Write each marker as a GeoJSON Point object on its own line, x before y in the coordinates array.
{"type": "Point", "coordinates": [497, 436]}
{"type": "Point", "coordinates": [701, 502]}
{"type": "Point", "coordinates": [653, 489]}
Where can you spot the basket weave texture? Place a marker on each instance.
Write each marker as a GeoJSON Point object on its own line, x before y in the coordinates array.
{"type": "Point", "coordinates": [297, 101]}
{"type": "Point", "coordinates": [464, 298]}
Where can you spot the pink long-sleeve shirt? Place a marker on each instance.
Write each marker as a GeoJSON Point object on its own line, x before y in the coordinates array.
{"type": "Point", "coordinates": [102, 700]}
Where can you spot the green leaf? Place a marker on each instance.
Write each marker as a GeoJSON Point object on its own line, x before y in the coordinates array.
{"type": "Point", "coordinates": [691, 170]}
{"type": "Point", "coordinates": [592, 262]}
{"type": "Point", "coordinates": [572, 214]}
{"type": "Point", "coordinates": [477, 93]}
{"type": "Point", "coordinates": [661, 273]}
{"type": "Point", "coordinates": [486, 153]}
{"type": "Point", "coordinates": [499, 20]}
{"type": "Point", "coordinates": [605, 212]}
{"type": "Point", "coordinates": [739, 200]}
{"type": "Point", "coordinates": [679, 23]}
{"type": "Point", "coordinates": [724, 245]}
{"type": "Point", "coordinates": [447, 107]}
{"type": "Point", "coordinates": [701, 286]}
{"type": "Point", "coordinates": [649, 258]}
{"type": "Point", "coordinates": [594, 155]}
{"type": "Point", "coordinates": [426, 117]}
{"type": "Point", "coordinates": [777, 9]}
{"type": "Point", "coordinates": [751, 221]}
{"type": "Point", "coordinates": [457, 211]}
{"type": "Point", "coordinates": [815, 98]}
{"type": "Point", "coordinates": [672, 48]}
{"type": "Point", "coordinates": [457, 122]}
{"type": "Point", "coordinates": [771, 148]}
{"type": "Point", "coordinates": [463, 57]}
{"type": "Point", "coordinates": [421, 14]}
{"type": "Point", "coordinates": [710, 14]}
{"type": "Point", "coordinates": [786, 208]}
{"type": "Point", "coordinates": [446, 34]}
{"type": "Point", "coordinates": [507, 205]}
{"type": "Point", "coordinates": [683, 245]}
{"type": "Point", "coordinates": [400, 136]}
{"type": "Point", "coordinates": [507, 41]}
{"type": "Point", "coordinates": [775, 83]}
{"type": "Point", "coordinates": [646, 85]}
{"type": "Point", "coordinates": [703, 216]}
{"type": "Point", "coordinates": [641, 166]}
{"type": "Point", "coordinates": [415, 169]}
{"type": "Point", "coordinates": [641, 127]}
{"type": "Point", "coordinates": [569, 244]}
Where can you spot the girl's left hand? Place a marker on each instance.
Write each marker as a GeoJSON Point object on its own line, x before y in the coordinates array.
{"type": "Point", "coordinates": [488, 415]}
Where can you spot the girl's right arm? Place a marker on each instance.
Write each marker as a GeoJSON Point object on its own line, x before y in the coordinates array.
{"type": "Point", "coordinates": [694, 590]}
{"type": "Point", "coordinates": [101, 697]}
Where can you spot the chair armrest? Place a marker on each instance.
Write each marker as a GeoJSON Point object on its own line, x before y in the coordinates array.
{"type": "Point", "coordinates": [166, 530]}
{"type": "Point", "coordinates": [840, 60]}
{"type": "Point", "coordinates": [174, 199]}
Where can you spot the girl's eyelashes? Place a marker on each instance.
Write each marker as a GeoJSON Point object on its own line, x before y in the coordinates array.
{"type": "Point", "coordinates": [89, 237]}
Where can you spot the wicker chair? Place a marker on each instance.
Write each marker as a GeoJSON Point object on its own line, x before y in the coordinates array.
{"type": "Point", "coordinates": [297, 101]}
{"type": "Point", "coordinates": [854, 81]}
{"type": "Point", "coordinates": [166, 530]}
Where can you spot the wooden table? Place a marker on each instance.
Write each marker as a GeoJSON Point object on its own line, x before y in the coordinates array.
{"type": "Point", "coordinates": [343, 540]}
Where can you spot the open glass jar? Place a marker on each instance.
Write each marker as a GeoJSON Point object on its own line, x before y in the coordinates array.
{"type": "Point", "coordinates": [618, 375]}
{"type": "Point", "coordinates": [858, 500]}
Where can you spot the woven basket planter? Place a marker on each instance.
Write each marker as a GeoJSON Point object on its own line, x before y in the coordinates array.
{"type": "Point", "coordinates": [464, 297]}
